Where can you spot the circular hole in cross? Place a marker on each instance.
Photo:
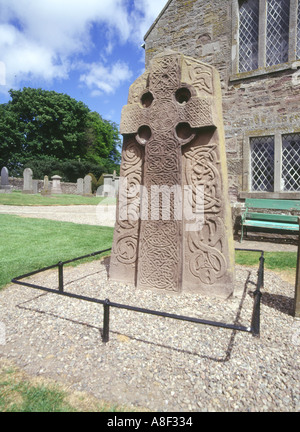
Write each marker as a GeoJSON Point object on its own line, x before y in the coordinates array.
{"type": "Point", "coordinates": [183, 95]}
{"type": "Point", "coordinates": [144, 134]}
{"type": "Point", "coordinates": [147, 99]}
{"type": "Point", "coordinates": [184, 131]}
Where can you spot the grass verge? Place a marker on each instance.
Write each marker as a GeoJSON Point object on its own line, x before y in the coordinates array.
{"type": "Point", "coordinates": [20, 392]}
{"type": "Point", "coordinates": [17, 198]}
{"type": "Point", "coordinates": [282, 263]}
{"type": "Point", "coordinates": [30, 244]}
{"type": "Point", "coordinates": [273, 260]}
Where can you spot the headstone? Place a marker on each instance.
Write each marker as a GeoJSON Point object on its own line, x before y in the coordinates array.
{"type": "Point", "coordinates": [79, 190]}
{"type": "Point", "coordinates": [108, 185]}
{"type": "Point", "coordinates": [87, 185]}
{"type": "Point", "coordinates": [117, 180]}
{"type": "Point", "coordinates": [4, 177]}
{"type": "Point", "coordinates": [174, 233]}
{"type": "Point", "coordinates": [56, 186]}
{"type": "Point", "coordinates": [27, 181]}
{"type": "Point", "coordinates": [5, 186]}
{"type": "Point", "coordinates": [35, 186]}
{"type": "Point", "coordinates": [99, 191]}
{"type": "Point", "coordinates": [46, 191]}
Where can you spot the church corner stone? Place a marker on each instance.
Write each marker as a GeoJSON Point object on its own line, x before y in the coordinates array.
{"type": "Point", "coordinates": [173, 152]}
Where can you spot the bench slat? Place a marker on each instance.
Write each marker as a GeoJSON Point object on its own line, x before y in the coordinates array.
{"type": "Point", "coordinates": [273, 204]}
{"type": "Point", "coordinates": [274, 225]}
{"type": "Point", "coordinates": [270, 220]}
{"type": "Point", "coordinates": [272, 217]}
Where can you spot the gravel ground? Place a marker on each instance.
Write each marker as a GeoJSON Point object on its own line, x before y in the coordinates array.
{"type": "Point", "coordinates": [152, 362]}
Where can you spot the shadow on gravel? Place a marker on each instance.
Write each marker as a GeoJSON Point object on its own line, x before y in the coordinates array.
{"type": "Point", "coordinates": [279, 302]}
{"type": "Point", "coordinates": [225, 358]}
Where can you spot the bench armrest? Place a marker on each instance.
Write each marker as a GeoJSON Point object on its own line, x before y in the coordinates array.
{"type": "Point", "coordinates": [244, 215]}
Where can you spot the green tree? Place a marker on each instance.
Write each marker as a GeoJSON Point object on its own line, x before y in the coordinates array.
{"type": "Point", "coordinates": [52, 123]}
{"type": "Point", "coordinates": [102, 139]}
{"type": "Point", "coordinates": [69, 170]}
{"type": "Point", "coordinates": [12, 141]}
{"type": "Point", "coordinates": [45, 128]}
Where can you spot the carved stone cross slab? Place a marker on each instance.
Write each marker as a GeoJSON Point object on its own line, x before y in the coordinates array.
{"type": "Point", "coordinates": [173, 143]}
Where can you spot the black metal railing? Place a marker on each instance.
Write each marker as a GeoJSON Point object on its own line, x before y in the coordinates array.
{"type": "Point", "coordinates": [254, 327]}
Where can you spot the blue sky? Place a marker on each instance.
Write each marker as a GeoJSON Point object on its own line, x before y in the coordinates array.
{"type": "Point", "coordinates": [88, 49]}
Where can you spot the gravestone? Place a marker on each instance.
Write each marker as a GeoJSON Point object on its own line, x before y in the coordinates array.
{"type": "Point", "coordinates": [174, 158]}
{"type": "Point", "coordinates": [115, 184]}
{"type": "Point", "coordinates": [5, 186]}
{"type": "Point", "coordinates": [110, 186]}
{"type": "Point", "coordinates": [27, 181]}
{"type": "Point", "coordinates": [79, 190]}
{"type": "Point", "coordinates": [87, 185]}
{"type": "Point", "coordinates": [35, 186]}
{"type": "Point", "coordinates": [46, 191]}
{"type": "Point", "coordinates": [56, 186]}
{"type": "Point", "coordinates": [116, 181]}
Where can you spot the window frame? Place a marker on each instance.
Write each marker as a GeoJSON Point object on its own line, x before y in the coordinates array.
{"type": "Point", "coordinates": [247, 169]}
{"type": "Point", "coordinates": [251, 145]}
{"type": "Point", "coordinates": [292, 63]}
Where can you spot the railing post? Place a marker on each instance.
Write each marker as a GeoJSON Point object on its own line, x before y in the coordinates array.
{"type": "Point", "coordinates": [297, 285]}
{"type": "Point", "coordinates": [255, 323]}
{"type": "Point", "coordinates": [262, 269]}
{"type": "Point", "coordinates": [105, 336]}
{"type": "Point", "coordinates": [60, 277]}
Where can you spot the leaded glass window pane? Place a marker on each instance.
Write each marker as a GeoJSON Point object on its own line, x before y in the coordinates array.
{"type": "Point", "coordinates": [248, 35]}
{"type": "Point", "coordinates": [298, 32]}
{"type": "Point", "coordinates": [291, 162]}
{"type": "Point", "coordinates": [262, 164]}
{"type": "Point", "coordinates": [277, 40]}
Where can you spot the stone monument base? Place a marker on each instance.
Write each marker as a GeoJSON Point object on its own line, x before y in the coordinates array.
{"type": "Point", "coordinates": [6, 189]}
{"type": "Point", "coordinates": [46, 192]}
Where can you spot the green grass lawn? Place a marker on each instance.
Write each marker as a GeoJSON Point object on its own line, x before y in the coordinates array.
{"type": "Point", "coordinates": [30, 244]}
{"type": "Point", "coordinates": [282, 263]}
{"type": "Point", "coordinates": [273, 260]}
{"type": "Point", "coordinates": [19, 199]}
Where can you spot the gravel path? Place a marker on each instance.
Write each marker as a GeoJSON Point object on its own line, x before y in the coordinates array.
{"type": "Point", "coordinates": [82, 214]}
{"type": "Point", "coordinates": [152, 362]}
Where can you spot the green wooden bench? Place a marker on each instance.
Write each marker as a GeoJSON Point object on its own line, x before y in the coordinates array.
{"type": "Point", "coordinates": [270, 220]}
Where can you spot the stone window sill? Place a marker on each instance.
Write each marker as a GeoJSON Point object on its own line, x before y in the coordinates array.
{"type": "Point", "coordinates": [270, 195]}
{"type": "Point", "coordinates": [266, 70]}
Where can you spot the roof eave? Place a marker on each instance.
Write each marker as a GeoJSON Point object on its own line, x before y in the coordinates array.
{"type": "Point", "coordinates": [157, 19]}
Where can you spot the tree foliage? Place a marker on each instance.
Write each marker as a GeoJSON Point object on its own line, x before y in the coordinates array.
{"type": "Point", "coordinates": [70, 170]}
{"type": "Point", "coordinates": [54, 132]}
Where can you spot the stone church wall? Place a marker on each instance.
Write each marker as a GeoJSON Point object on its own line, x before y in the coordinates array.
{"type": "Point", "coordinates": [253, 104]}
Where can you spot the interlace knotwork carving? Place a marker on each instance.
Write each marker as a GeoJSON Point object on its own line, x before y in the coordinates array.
{"type": "Point", "coordinates": [171, 141]}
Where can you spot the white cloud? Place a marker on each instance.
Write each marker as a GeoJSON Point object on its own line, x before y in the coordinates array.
{"type": "Point", "coordinates": [2, 74]}
{"type": "Point", "coordinates": [105, 79]}
{"type": "Point", "coordinates": [44, 39]}
{"type": "Point", "coordinates": [144, 14]}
